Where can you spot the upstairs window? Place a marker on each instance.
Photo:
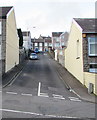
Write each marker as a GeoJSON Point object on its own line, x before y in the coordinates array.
{"type": "Point", "coordinates": [57, 39]}
{"type": "Point", "coordinates": [36, 44]}
{"type": "Point", "coordinates": [92, 45]}
{"type": "Point", "coordinates": [46, 44]}
{"type": "Point", "coordinates": [40, 44]}
{"type": "Point", "coordinates": [57, 45]}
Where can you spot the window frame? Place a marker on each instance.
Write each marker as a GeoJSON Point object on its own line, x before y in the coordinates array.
{"type": "Point", "coordinates": [93, 70]}
{"type": "Point", "coordinates": [78, 49]}
{"type": "Point", "coordinates": [89, 44]}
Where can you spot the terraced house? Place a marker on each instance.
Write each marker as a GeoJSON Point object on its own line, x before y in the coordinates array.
{"type": "Point", "coordinates": [81, 52]}
{"type": "Point", "coordinates": [9, 39]}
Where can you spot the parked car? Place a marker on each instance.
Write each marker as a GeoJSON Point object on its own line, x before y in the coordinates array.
{"type": "Point", "coordinates": [33, 56]}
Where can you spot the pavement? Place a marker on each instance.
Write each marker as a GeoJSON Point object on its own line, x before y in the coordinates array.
{"type": "Point", "coordinates": [69, 80]}
{"type": "Point", "coordinates": [10, 75]}
{"type": "Point", "coordinates": [73, 84]}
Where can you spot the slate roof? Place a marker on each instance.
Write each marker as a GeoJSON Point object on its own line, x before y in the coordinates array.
{"type": "Point", "coordinates": [37, 40]}
{"type": "Point", "coordinates": [88, 25]}
{"type": "Point", "coordinates": [48, 40]}
{"type": "Point", "coordinates": [26, 33]}
{"type": "Point", "coordinates": [56, 34]}
{"type": "Point", "coordinates": [4, 11]}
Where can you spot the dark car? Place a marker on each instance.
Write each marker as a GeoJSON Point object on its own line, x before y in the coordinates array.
{"type": "Point", "coordinates": [36, 50]}
{"type": "Point", "coordinates": [33, 56]}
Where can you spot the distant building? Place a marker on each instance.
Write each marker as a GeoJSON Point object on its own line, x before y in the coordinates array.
{"type": "Point", "coordinates": [9, 41]}
{"type": "Point", "coordinates": [60, 56]}
{"type": "Point", "coordinates": [47, 43]}
{"type": "Point", "coordinates": [56, 40]}
{"type": "Point", "coordinates": [64, 39]}
{"type": "Point", "coordinates": [20, 35]}
{"type": "Point", "coordinates": [43, 43]}
{"type": "Point", "coordinates": [27, 44]}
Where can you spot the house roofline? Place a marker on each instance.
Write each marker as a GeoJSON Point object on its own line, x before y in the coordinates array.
{"type": "Point", "coordinates": [80, 28]}
{"type": "Point", "coordinates": [10, 11]}
{"type": "Point", "coordinates": [90, 32]}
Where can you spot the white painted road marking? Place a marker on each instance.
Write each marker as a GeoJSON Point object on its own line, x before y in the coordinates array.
{"type": "Point", "coordinates": [38, 114]}
{"type": "Point", "coordinates": [41, 94]}
{"type": "Point", "coordinates": [39, 88]}
{"type": "Point", "coordinates": [44, 95]}
{"type": "Point", "coordinates": [26, 94]}
{"type": "Point", "coordinates": [58, 96]}
{"type": "Point", "coordinates": [59, 116]}
{"type": "Point", "coordinates": [74, 99]}
{"type": "Point", "coordinates": [11, 93]}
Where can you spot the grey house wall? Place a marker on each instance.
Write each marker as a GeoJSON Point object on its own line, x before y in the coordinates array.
{"type": "Point", "coordinates": [61, 57]}
{"type": "Point", "coordinates": [0, 46]}
{"type": "Point", "coordinates": [86, 58]}
{"type": "Point", "coordinates": [22, 55]}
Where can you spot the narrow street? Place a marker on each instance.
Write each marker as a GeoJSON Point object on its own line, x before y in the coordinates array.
{"type": "Point", "coordinates": [39, 92]}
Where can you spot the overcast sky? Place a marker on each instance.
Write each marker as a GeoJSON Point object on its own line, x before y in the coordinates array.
{"type": "Point", "coordinates": [47, 16]}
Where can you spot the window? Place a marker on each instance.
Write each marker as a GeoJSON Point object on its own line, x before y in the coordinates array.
{"type": "Point", "coordinates": [93, 67]}
{"type": "Point", "coordinates": [63, 43]}
{"type": "Point", "coordinates": [57, 44]}
{"type": "Point", "coordinates": [63, 37]}
{"type": "Point", "coordinates": [46, 44]}
{"type": "Point", "coordinates": [57, 39]}
{"type": "Point", "coordinates": [40, 44]}
{"type": "Point", "coordinates": [36, 44]}
{"type": "Point", "coordinates": [78, 50]}
{"type": "Point", "coordinates": [50, 44]}
{"type": "Point", "coordinates": [92, 43]}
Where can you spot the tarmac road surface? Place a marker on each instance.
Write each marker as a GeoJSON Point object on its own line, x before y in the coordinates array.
{"type": "Point", "coordinates": [38, 92]}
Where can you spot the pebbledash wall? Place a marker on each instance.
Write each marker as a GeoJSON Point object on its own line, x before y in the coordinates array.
{"type": "Point", "coordinates": [3, 44]}
{"type": "Point", "coordinates": [74, 61]}
{"type": "Point", "coordinates": [12, 42]}
{"type": "Point", "coordinates": [87, 76]}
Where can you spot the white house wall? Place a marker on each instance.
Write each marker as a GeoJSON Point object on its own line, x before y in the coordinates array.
{"type": "Point", "coordinates": [12, 42]}
{"type": "Point", "coordinates": [73, 64]}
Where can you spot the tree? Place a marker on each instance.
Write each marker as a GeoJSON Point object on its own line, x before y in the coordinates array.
{"type": "Point", "coordinates": [20, 37]}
